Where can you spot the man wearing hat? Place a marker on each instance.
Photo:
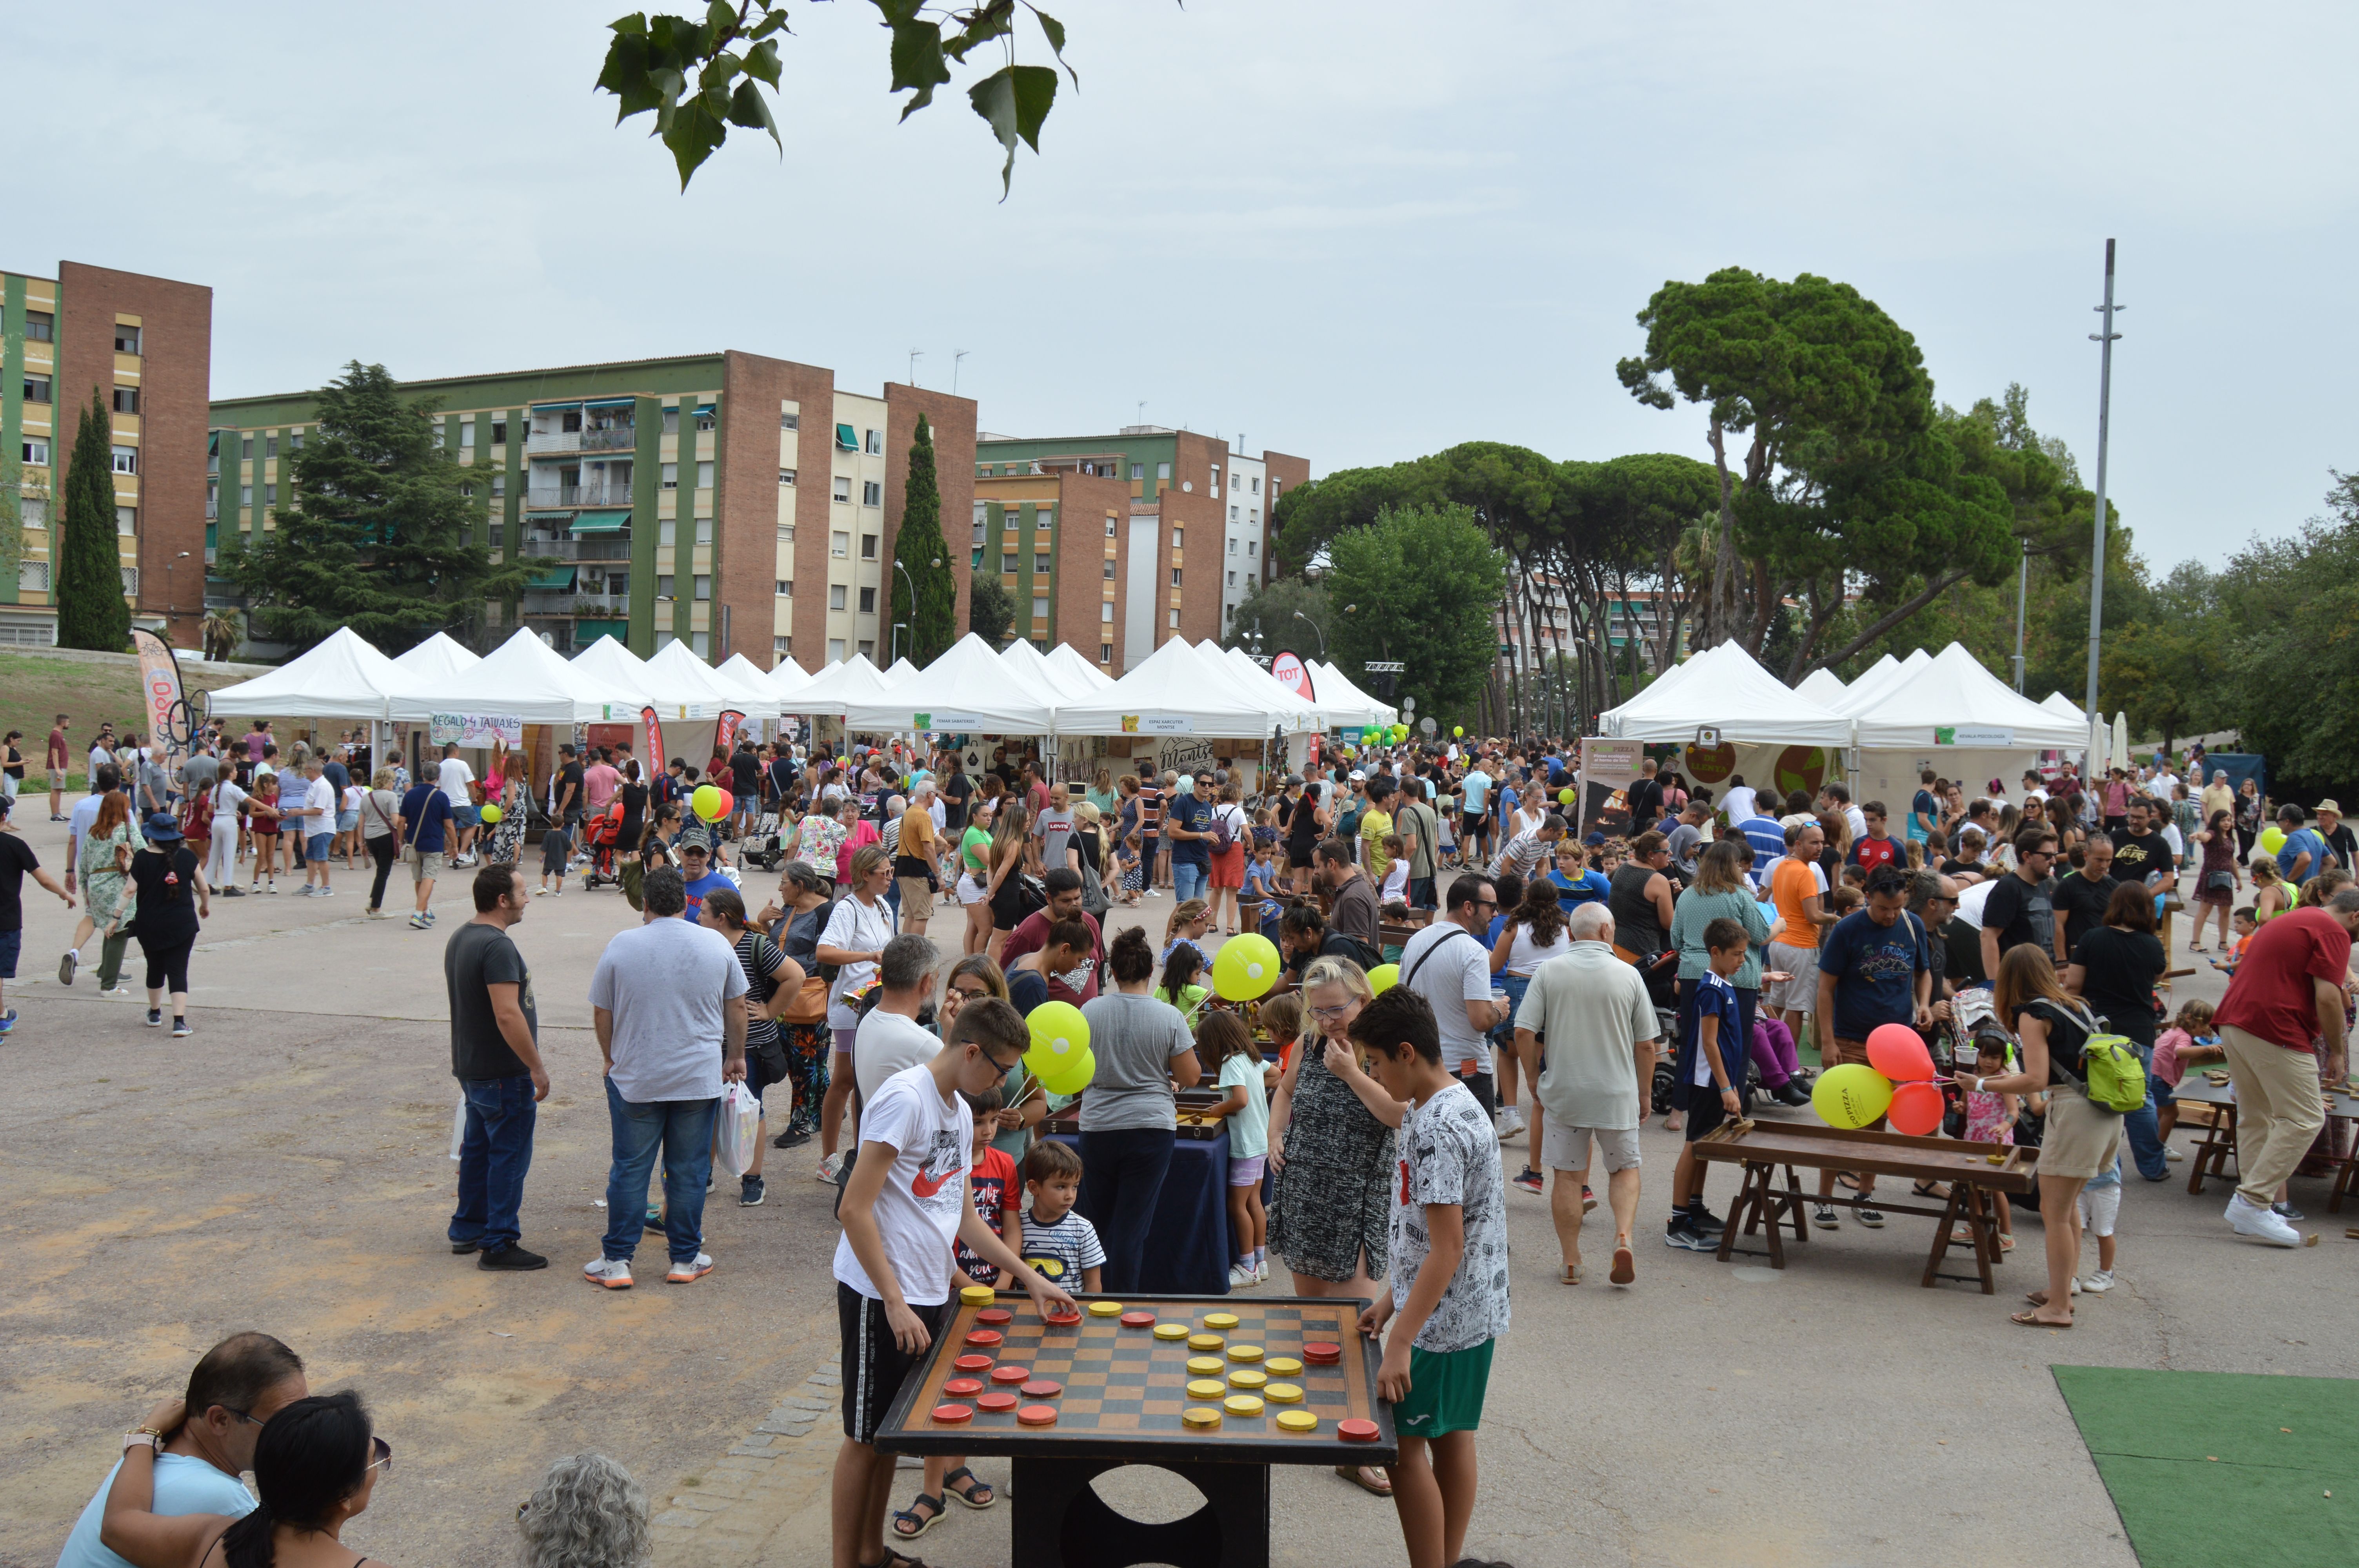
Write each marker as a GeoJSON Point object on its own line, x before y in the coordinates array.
{"type": "Point", "coordinates": [2339, 841]}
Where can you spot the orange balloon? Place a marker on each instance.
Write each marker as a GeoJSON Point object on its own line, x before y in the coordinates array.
{"type": "Point", "coordinates": [1899, 1053]}
{"type": "Point", "coordinates": [1916, 1110]}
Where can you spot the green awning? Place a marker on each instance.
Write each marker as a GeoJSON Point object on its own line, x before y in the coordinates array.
{"type": "Point", "coordinates": [554, 408]}
{"type": "Point", "coordinates": [557, 579]}
{"type": "Point", "coordinates": [609, 402]}
{"type": "Point", "coordinates": [586, 631]}
{"type": "Point", "coordinates": [847, 439]}
{"type": "Point", "coordinates": [603, 522]}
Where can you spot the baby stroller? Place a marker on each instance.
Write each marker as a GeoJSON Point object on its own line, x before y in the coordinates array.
{"type": "Point", "coordinates": [763, 846]}
{"type": "Point", "coordinates": [601, 838]}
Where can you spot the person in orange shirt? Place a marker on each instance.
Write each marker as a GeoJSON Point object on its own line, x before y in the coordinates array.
{"type": "Point", "coordinates": [1798, 885]}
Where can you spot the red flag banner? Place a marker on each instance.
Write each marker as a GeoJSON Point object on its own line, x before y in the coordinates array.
{"type": "Point", "coordinates": [655, 760]}
{"type": "Point", "coordinates": [725, 736]}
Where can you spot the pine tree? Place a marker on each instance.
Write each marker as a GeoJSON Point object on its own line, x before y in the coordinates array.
{"type": "Point", "coordinates": [920, 553]}
{"type": "Point", "coordinates": [380, 537]}
{"type": "Point", "coordinates": [91, 612]}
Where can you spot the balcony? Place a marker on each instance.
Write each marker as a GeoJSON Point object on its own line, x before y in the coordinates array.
{"type": "Point", "coordinates": [616, 546]}
{"type": "Point", "coordinates": [615, 492]}
{"type": "Point", "coordinates": [610, 438]}
{"type": "Point", "coordinates": [540, 441]}
{"type": "Point", "coordinates": [571, 604]}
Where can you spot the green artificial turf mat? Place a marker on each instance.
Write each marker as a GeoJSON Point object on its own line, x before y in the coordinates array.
{"type": "Point", "coordinates": [2204, 1471]}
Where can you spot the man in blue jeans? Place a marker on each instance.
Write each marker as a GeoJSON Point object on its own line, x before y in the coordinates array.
{"type": "Point", "coordinates": [672, 1025]}
{"type": "Point", "coordinates": [1188, 827]}
{"type": "Point", "coordinates": [495, 1057]}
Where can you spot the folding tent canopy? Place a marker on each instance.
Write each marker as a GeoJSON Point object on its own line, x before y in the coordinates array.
{"type": "Point", "coordinates": [1338, 697]}
{"type": "Point", "coordinates": [826, 692]}
{"type": "Point", "coordinates": [523, 678]}
{"type": "Point", "coordinates": [902, 670]}
{"type": "Point", "coordinates": [606, 659]}
{"type": "Point", "coordinates": [1951, 715]}
{"type": "Point", "coordinates": [1173, 691]}
{"type": "Point", "coordinates": [1295, 714]}
{"type": "Point", "coordinates": [1822, 685]}
{"type": "Point", "coordinates": [678, 677]}
{"type": "Point", "coordinates": [342, 677]}
{"type": "Point", "coordinates": [748, 677]}
{"type": "Point", "coordinates": [1882, 677]}
{"type": "Point", "coordinates": [1724, 688]}
{"type": "Point", "coordinates": [788, 678]}
{"type": "Point", "coordinates": [1077, 674]}
{"type": "Point", "coordinates": [2057, 703]}
{"type": "Point", "coordinates": [968, 688]}
{"type": "Point", "coordinates": [438, 659]}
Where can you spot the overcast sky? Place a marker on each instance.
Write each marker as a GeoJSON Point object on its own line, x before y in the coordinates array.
{"type": "Point", "coordinates": [1355, 232]}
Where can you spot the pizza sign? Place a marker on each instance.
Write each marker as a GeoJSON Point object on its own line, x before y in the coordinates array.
{"type": "Point", "coordinates": [1291, 673]}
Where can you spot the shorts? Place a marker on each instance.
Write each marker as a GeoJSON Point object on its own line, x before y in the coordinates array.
{"type": "Point", "coordinates": [764, 1066]}
{"type": "Point", "coordinates": [1471, 826]}
{"type": "Point", "coordinates": [2083, 1138]}
{"type": "Point", "coordinates": [1445, 1391]}
{"type": "Point", "coordinates": [426, 865]}
{"type": "Point", "coordinates": [1481, 1086]}
{"type": "Point", "coordinates": [1299, 860]}
{"type": "Point", "coordinates": [917, 894]}
{"type": "Point", "coordinates": [316, 846]}
{"type": "Point", "coordinates": [1839, 1050]}
{"type": "Point", "coordinates": [970, 891]}
{"type": "Point", "coordinates": [2100, 1206]}
{"type": "Point", "coordinates": [11, 943]}
{"type": "Point", "coordinates": [1799, 994]}
{"type": "Point", "coordinates": [1566, 1148]}
{"type": "Point", "coordinates": [347, 820]}
{"type": "Point", "coordinates": [874, 1364]}
{"type": "Point", "coordinates": [1705, 1110]}
{"type": "Point", "coordinates": [1247, 1173]}
{"type": "Point", "coordinates": [467, 815]}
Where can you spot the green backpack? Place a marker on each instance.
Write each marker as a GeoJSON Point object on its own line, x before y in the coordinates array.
{"type": "Point", "coordinates": [2110, 1062]}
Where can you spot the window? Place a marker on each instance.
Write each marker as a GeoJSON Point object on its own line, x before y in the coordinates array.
{"type": "Point", "coordinates": [787, 476]}
{"type": "Point", "coordinates": [499, 432]}
{"type": "Point", "coordinates": [1109, 571]}
{"type": "Point", "coordinates": [672, 421]}
{"type": "Point", "coordinates": [37, 452]}
{"type": "Point", "coordinates": [131, 580]}
{"type": "Point", "coordinates": [835, 592]}
{"type": "Point", "coordinates": [847, 439]}
{"type": "Point", "coordinates": [1007, 562]}
{"type": "Point", "coordinates": [704, 530]}
{"type": "Point", "coordinates": [499, 530]}
{"type": "Point", "coordinates": [1233, 547]}
{"type": "Point", "coordinates": [868, 546]}
{"type": "Point", "coordinates": [245, 495]}
{"type": "Point", "coordinates": [785, 588]}
{"type": "Point", "coordinates": [126, 460]}
{"type": "Point", "coordinates": [270, 495]}
{"type": "Point", "coordinates": [703, 587]}
{"type": "Point", "coordinates": [126, 519]}
{"type": "Point", "coordinates": [1251, 545]}
{"type": "Point", "coordinates": [1163, 471]}
{"type": "Point", "coordinates": [875, 443]}
{"type": "Point", "coordinates": [835, 649]}
{"type": "Point", "coordinates": [867, 648]}
{"type": "Point", "coordinates": [982, 513]}
{"type": "Point", "coordinates": [1175, 576]}
{"type": "Point", "coordinates": [789, 422]}
{"type": "Point", "coordinates": [32, 577]}
{"type": "Point", "coordinates": [1109, 528]}
{"type": "Point", "coordinates": [1040, 565]}
{"type": "Point", "coordinates": [126, 340]}
{"type": "Point", "coordinates": [704, 418]}
{"type": "Point", "coordinates": [785, 533]}
{"type": "Point", "coordinates": [670, 476]}
{"type": "Point", "coordinates": [1215, 486]}
{"type": "Point", "coordinates": [37, 388]}
{"type": "Point", "coordinates": [40, 326]}
{"type": "Point", "coordinates": [1253, 516]}
{"type": "Point", "coordinates": [981, 529]}
{"type": "Point", "coordinates": [1040, 607]}
{"type": "Point", "coordinates": [872, 494]}
{"type": "Point", "coordinates": [246, 447]}
{"type": "Point", "coordinates": [1233, 513]}
{"type": "Point", "coordinates": [844, 487]}
{"type": "Point", "coordinates": [1105, 653]}
{"type": "Point", "coordinates": [270, 445]}
{"type": "Point", "coordinates": [33, 511]}
{"type": "Point", "coordinates": [1137, 471]}
{"type": "Point", "coordinates": [1105, 612]}
{"type": "Point", "coordinates": [839, 544]}
{"type": "Point", "coordinates": [1233, 579]}
{"type": "Point", "coordinates": [782, 647]}
{"type": "Point", "coordinates": [1256, 487]}
{"type": "Point", "coordinates": [668, 533]}
{"type": "Point", "coordinates": [867, 602]}
{"type": "Point", "coordinates": [1044, 519]}
{"type": "Point", "coordinates": [1179, 538]}
{"type": "Point", "coordinates": [1175, 621]}
{"type": "Point", "coordinates": [705, 475]}
{"type": "Point", "coordinates": [499, 484]}
{"type": "Point", "coordinates": [466, 432]}
{"type": "Point", "coordinates": [665, 585]}
{"type": "Point", "coordinates": [977, 562]}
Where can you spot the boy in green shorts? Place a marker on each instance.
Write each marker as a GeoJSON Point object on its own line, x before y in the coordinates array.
{"type": "Point", "coordinates": [1448, 1299]}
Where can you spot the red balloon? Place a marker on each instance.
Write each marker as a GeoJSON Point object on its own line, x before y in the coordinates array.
{"type": "Point", "coordinates": [1899, 1053]}
{"type": "Point", "coordinates": [1916, 1110]}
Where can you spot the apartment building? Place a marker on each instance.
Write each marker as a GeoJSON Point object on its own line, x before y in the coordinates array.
{"type": "Point", "coordinates": [1113, 542]}
{"type": "Point", "coordinates": [738, 502]}
{"type": "Point", "coordinates": [145, 344]}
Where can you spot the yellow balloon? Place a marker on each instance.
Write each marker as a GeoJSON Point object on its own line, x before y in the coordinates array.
{"type": "Point", "coordinates": [1383, 978]}
{"type": "Point", "coordinates": [1245, 968]}
{"type": "Point", "coordinates": [1060, 1034]}
{"type": "Point", "coordinates": [1851, 1095]}
{"type": "Point", "coordinates": [2272, 839]}
{"type": "Point", "coordinates": [1458, 733]}
{"type": "Point", "coordinates": [1072, 1074]}
{"type": "Point", "coordinates": [491, 814]}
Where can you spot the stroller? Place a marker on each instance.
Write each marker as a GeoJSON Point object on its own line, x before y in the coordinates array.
{"type": "Point", "coordinates": [762, 846]}
{"type": "Point", "coordinates": [601, 838]}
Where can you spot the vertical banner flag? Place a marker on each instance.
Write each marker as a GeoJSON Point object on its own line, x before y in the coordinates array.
{"type": "Point", "coordinates": [168, 714]}
{"type": "Point", "coordinates": [1608, 769]}
{"type": "Point", "coordinates": [1288, 670]}
{"type": "Point", "coordinates": [656, 763]}
{"type": "Point", "coordinates": [726, 736]}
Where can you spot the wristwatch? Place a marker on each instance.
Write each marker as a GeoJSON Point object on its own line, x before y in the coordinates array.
{"type": "Point", "coordinates": [143, 1437]}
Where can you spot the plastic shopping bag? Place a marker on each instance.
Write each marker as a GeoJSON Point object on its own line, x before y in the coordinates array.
{"type": "Point", "coordinates": [458, 1127]}
{"type": "Point", "coordinates": [738, 1130]}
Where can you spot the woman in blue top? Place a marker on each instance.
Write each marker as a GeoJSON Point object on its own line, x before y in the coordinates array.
{"type": "Point", "coordinates": [1720, 890]}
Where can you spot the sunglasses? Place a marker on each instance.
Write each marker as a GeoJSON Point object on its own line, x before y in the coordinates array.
{"type": "Point", "coordinates": [384, 1451]}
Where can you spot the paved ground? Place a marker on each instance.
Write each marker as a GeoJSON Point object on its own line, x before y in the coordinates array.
{"type": "Point", "coordinates": [286, 1168]}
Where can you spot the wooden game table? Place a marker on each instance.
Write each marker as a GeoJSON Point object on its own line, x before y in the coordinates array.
{"type": "Point", "coordinates": [1760, 1147]}
{"type": "Point", "coordinates": [1108, 1390]}
{"type": "Point", "coordinates": [2215, 1152]}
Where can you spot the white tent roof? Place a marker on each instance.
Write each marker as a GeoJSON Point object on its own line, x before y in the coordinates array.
{"type": "Point", "coordinates": [788, 678]}
{"type": "Point", "coordinates": [523, 678]}
{"type": "Point", "coordinates": [1076, 674]}
{"type": "Point", "coordinates": [1952, 690]}
{"type": "Point", "coordinates": [677, 678]}
{"type": "Point", "coordinates": [848, 680]}
{"type": "Point", "coordinates": [748, 677]}
{"type": "Point", "coordinates": [438, 659]}
{"type": "Point", "coordinates": [1297, 716]}
{"type": "Point", "coordinates": [1882, 677]}
{"type": "Point", "coordinates": [1822, 685]}
{"type": "Point", "coordinates": [605, 660]}
{"type": "Point", "coordinates": [342, 677]}
{"type": "Point", "coordinates": [2057, 703]}
{"type": "Point", "coordinates": [968, 688]}
{"type": "Point", "coordinates": [1723, 686]}
{"type": "Point", "coordinates": [1342, 702]}
{"type": "Point", "coordinates": [1174, 691]}
{"type": "Point", "coordinates": [902, 670]}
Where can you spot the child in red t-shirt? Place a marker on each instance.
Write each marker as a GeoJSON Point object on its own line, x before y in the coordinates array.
{"type": "Point", "coordinates": [998, 1196]}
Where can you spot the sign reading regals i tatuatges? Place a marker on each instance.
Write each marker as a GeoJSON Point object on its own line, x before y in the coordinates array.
{"type": "Point", "coordinates": [475, 729]}
{"type": "Point", "coordinates": [1986, 736]}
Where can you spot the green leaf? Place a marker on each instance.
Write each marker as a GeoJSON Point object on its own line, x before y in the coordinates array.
{"type": "Point", "coordinates": [721, 19]}
{"type": "Point", "coordinates": [1015, 100]}
{"type": "Point", "coordinates": [748, 108]}
{"type": "Point", "coordinates": [695, 131]}
{"type": "Point", "coordinates": [996, 20]}
{"type": "Point", "coordinates": [917, 53]}
{"type": "Point", "coordinates": [762, 63]}
{"type": "Point", "coordinates": [1054, 30]}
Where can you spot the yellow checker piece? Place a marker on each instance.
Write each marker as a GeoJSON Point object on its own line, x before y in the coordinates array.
{"type": "Point", "coordinates": [1205, 1388]}
{"type": "Point", "coordinates": [1220, 1320]}
{"type": "Point", "coordinates": [1281, 1393]}
{"type": "Point", "coordinates": [1200, 1416]}
{"type": "Point", "coordinates": [1244, 1352]}
{"type": "Point", "coordinates": [1171, 1331]}
{"type": "Point", "coordinates": [1105, 1309]}
{"type": "Point", "coordinates": [1204, 1365]}
{"type": "Point", "coordinates": [1298, 1421]}
{"type": "Point", "coordinates": [1283, 1366]}
{"type": "Point", "coordinates": [1246, 1378]}
{"type": "Point", "coordinates": [1242, 1404]}
{"type": "Point", "coordinates": [1205, 1342]}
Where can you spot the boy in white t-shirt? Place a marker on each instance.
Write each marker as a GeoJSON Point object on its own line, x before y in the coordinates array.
{"type": "Point", "coordinates": [906, 1201]}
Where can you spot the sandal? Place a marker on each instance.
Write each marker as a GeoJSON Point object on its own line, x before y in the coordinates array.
{"type": "Point", "coordinates": [1570, 1274]}
{"type": "Point", "coordinates": [1351, 1472]}
{"type": "Point", "coordinates": [2033, 1320]}
{"type": "Point", "coordinates": [1928, 1190]}
{"type": "Point", "coordinates": [893, 1559]}
{"type": "Point", "coordinates": [973, 1483]}
{"type": "Point", "coordinates": [1850, 1179]}
{"type": "Point", "coordinates": [1625, 1267]}
{"type": "Point", "coordinates": [908, 1524]}
{"type": "Point", "coordinates": [2005, 1242]}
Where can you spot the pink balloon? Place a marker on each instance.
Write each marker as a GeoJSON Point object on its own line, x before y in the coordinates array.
{"type": "Point", "coordinates": [1916, 1110]}
{"type": "Point", "coordinates": [1899, 1053]}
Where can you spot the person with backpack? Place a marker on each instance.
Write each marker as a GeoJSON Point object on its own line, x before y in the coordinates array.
{"type": "Point", "coordinates": [1351, 908]}
{"type": "Point", "coordinates": [1226, 847]}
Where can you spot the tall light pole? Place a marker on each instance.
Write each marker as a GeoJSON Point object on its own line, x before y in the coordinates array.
{"type": "Point", "coordinates": [1315, 627]}
{"type": "Point", "coordinates": [2105, 341]}
{"type": "Point", "coordinates": [894, 642]}
{"type": "Point", "coordinates": [2022, 590]}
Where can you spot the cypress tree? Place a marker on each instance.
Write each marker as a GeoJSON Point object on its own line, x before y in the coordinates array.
{"type": "Point", "coordinates": [920, 549]}
{"type": "Point", "coordinates": [91, 612]}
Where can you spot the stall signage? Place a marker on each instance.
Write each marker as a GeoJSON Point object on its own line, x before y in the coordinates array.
{"type": "Point", "coordinates": [1158, 724]}
{"type": "Point", "coordinates": [1972, 735]}
{"type": "Point", "coordinates": [475, 729]}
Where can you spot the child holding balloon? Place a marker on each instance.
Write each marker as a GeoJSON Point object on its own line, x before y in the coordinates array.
{"type": "Point", "coordinates": [1990, 1116]}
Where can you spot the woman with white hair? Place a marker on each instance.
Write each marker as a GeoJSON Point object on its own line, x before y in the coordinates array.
{"type": "Point", "coordinates": [588, 1513]}
{"type": "Point", "coordinates": [917, 850]}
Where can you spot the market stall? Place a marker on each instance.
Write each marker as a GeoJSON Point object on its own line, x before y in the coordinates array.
{"type": "Point", "coordinates": [1770, 735]}
{"type": "Point", "coordinates": [1951, 715]}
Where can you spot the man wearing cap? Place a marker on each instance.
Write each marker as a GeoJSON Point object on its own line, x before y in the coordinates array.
{"type": "Point", "coordinates": [2218, 795]}
{"type": "Point", "coordinates": [696, 868]}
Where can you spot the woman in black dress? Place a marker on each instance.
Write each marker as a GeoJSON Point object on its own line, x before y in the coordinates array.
{"type": "Point", "coordinates": [634, 810]}
{"type": "Point", "coordinates": [173, 899]}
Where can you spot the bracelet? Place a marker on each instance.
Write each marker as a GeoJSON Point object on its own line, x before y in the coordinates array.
{"type": "Point", "coordinates": [144, 1437]}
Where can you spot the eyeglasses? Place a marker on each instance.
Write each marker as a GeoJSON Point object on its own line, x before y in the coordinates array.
{"type": "Point", "coordinates": [1330, 1014]}
{"type": "Point", "coordinates": [384, 1451]}
{"type": "Point", "coordinates": [966, 993]}
{"type": "Point", "coordinates": [243, 1416]}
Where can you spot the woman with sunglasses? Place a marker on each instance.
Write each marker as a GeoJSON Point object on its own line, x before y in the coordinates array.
{"type": "Point", "coordinates": [972, 978]}
{"type": "Point", "coordinates": [316, 1465]}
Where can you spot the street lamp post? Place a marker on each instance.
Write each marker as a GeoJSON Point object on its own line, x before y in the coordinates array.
{"type": "Point", "coordinates": [171, 599]}
{"type": "Point", "coordinates": [894, 642]}
{"type": "Point", "coordinates": [1315, 627]}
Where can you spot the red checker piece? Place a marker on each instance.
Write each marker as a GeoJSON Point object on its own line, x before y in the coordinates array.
{"type": "Point", "coordinates": [1356, 1431]}
{"type": "Point", "coordinates": [1010, 1374]}
{"type": "Point", "coordinates": [984, 1337]}
{"type": "Point", "coordinates": [996, 1401]}
{"type": "Point", "coordinates": [1037, 1415]}
{"type": "Point", "coordinates": [1064, 1319]}
{"type": "Point", "coordinates": [1322, 1352]}
{"type": "Point", "coordinates": [972, 1363]}
{"type": "Point", "coordinates": [1042, 1389]}
{"type": "Point", "coordinates": [963, 1388]}
{"type": "Point", "coordinates": [995, 1317]}
{"type": "Point", "coordinates": [952, 1414]}
{"type": "Point", "coordinates": [1138, 1320]}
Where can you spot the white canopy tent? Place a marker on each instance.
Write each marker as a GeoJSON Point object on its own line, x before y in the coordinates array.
{"type": "Point", "coordinates": [523, 678]}
{"type": "Point", "coordinates": [1881, 678]}
{"type": "Point", "coordinates": [1075, 674]}
{"type": "Point", "coordinates": [1295, 715]}
{"type": "Point", "coordinates": [968, 688]}
{"type": "Point", "coordinates": [753, 686]}
{"type": "Point", "coordinates": [826, 694]}
{"type": "Point", "coordinates": [342, 677]}
{"type": "Point", "coordinates": [1822, 685]}
{"type": "Point", "coordinates": [438, 659]}
{"type": "Point", "coordinates": [1173, 691]}
{"type": "Point", "coordinates": [679, 677]}
{"type": "Point", "coordinates": [1724, 688]}
{"type": "Point", "coordinates": [901, 670]}
{"type": "Point", "coordinates": [606, 659]}
{"type": "Point", "coordinates": [1342, 702]}
{"type": "Point", "coordinates": [2057, 703]}
{"type": "Point", "coordinates": [788, 678]}
{"type": "Point", "coordinates": [1951, 714]}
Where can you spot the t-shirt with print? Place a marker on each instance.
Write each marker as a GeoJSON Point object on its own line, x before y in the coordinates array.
{"type": "Point", "coordinates": [996, 1188]}
{"type": "Point", "coordinates": [1870, 853]}
{"type": "Point", "coordinates": [1715, 999]}
{"type": "Point", "coordinates": [2140, 857]}
{"type": "Point", "coordinates": [924, 1198]}
{"type": "Point", "coordinates": [2022, 912]}
{"type": "Point", "coordinates": [1375, 825]}
{"type": "Point", "coordinates": [1448, 1153]}
{"type": "Point", "coordinates": [1875, 969]}
{"type": "Point", "coordinates": [477, 957]}
{"type": "Point", "coordinates": [1196, 817]}
{"type": "Point", "coordinates": [1061, 1251]}
{"type": "Point", "coordinates": [1249, 1128]}
{"type": "Point", "coordinates": [1053, 828]}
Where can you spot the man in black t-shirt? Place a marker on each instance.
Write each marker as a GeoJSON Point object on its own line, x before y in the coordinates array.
{"type": "Point", "coordinates": [957, 791]}
{"type": "Point", "coordinates": [2021, 906]}
{"type": "Point", "coordinates": [1646, 796]}
{"type": "Point", "coordinates": [2141, 854]}
{"type": "Point", "coordinates": [495, 1057]}
{"type": "Point", "coordinates": [2081, 897]}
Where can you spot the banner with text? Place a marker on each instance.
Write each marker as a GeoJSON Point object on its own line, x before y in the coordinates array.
{"type": "Point", "coordinates": [1608, 768]}
{"type": "Point", "coordinates": [475, 729]}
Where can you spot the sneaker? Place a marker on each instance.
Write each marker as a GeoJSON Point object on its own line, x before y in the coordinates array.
{"type": "Point", "coordinates": [828, 1168]}
{"type": "Point", "coordinates": [1240, 1276]}
{"type": "Point", "coordinates": [326, 891]}
{"type": "Point", "coordinates": [1588, 1199]}
{"type": "Point", "coordinates": [1261, 1272]}
{"type": "Point", "coordinates": [614, 1273]}
{"type": "Point", "coordinates": [1872, 1217]}
{"type": "Point", "coordinates": [155, 1018]}
{"type": "Point", "coordinates": [2286, 1211]}
{"type": "Point", "coordinates": [557, 893]}
{"type": "Point", "coordinates": [417, 923]}
{"type": "Point", "coordinates": [432, 917]}
{"type": "Point", "coordinates": [8, 1021]}
{"type": "Point", "coordinates": [792, 1138]}
{"type": "Point", "coordinates": [378, 914]}
{"type": "Point", "coordinates": [655, 1219]}
{"type": "Point", "coordinates": [687, 1273]}
{"type": "Point", "coordinates": [1703, 1219]}
{"type": "Point", "coordinates": [115, 994]}
{"type": "Point", "coordinates": [233, 891]}
{"type": "Point", "coordinates": [67, 965]}
{"type": "Point", "coordinates": [1530, 1179]}
{"type": "Point", "coordinates": [2173, 1155]}
{"type": "Point", "coordinates": [1682, 1233]}
{"type": "Point", "coordinates": [2251, 1219]}
{"type": "Point", "coordinates": [180, 1030]}
{"type": "Point", "coordinates": [539, 892]}
{"type": "Point", "coordinates": [1825, 1218]}
{"type": "Point", "coordinates": [2098, 1283]}
{"type": "Point", "coordinates": [306, 891]}
{"type": "Point", "coordinates": [749, 1192]}
{"type": "Point", "coordinates": [461, 1249]}
{"type": "Point", "coordinates": [272, 890]}
{"type": "Point", "coordinates": [512, 1258]}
